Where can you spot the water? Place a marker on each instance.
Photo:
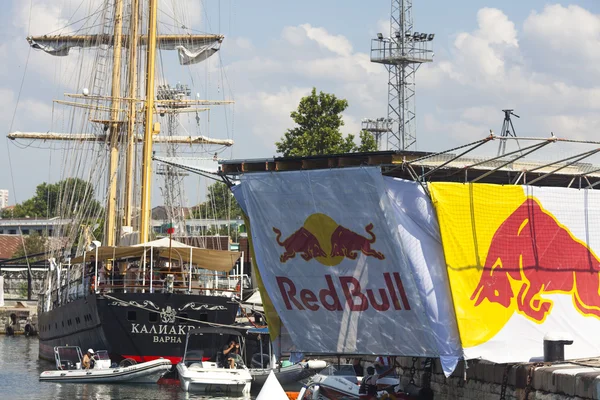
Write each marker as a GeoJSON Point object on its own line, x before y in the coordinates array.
{"type": "Point", "coordinates": [20, 369]}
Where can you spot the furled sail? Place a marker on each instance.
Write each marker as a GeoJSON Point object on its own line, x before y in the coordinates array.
{"type": "Point", "coordinates": [192, 49]}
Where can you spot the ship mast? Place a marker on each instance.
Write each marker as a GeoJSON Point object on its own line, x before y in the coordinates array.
{"type": "Point", "coordinates": [132, 82]}
{"type": "Point", "coordinates": [192, 49]}
{"type": "Point", "coordinates": [115, 125]}
{"type": "Point", "coordinates": [149, 129]}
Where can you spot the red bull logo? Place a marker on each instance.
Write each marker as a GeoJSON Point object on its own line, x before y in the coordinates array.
{"type": "Point", "coordinates": [532, 254]}
{"type": "Point", "coordinates": [321, 238]}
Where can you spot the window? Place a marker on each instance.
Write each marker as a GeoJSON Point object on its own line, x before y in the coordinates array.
{"type": "Point", "coordinates": [25, 231]}
{"type": "Point", "coordinates": [77, 320]}
{"type": "Point", "coordinates": [39, 232]}
{"type": "Point", "coordinates": [153, 317]}
{"type": "Point", "coordinates": [132, 315]}
{"type": "Point", "coordinates": [12, 231]}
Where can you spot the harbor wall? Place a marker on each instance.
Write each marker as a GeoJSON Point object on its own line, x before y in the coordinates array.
{"type": "Point", "coordinates": [481, 380]}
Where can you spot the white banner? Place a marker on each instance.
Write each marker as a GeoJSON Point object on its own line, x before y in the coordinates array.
{"type": "Point", "coordinates": [330, 246]}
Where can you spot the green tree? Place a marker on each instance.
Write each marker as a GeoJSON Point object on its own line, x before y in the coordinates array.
{"type": "Point", "coordinates": [32, 244]}
{"type": "Point", "coordinates": [319, 119]}
{"type": "Point", "coordinates": [367, 142]}
{"type": "Point", "coordinates": [66, 198]}
{"type": "Point", "coordinates": [219, 204]}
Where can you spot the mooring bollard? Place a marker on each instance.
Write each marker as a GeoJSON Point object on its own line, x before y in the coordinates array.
{"type": "Point", "coordinates": [554, 346]}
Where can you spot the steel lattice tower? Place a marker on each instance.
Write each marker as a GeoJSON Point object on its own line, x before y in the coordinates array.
{"type": "Point", "coordinates": [402, 53]}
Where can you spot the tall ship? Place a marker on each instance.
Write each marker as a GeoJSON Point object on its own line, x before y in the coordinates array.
{"type": "Point", "coordinates": [111, 284]}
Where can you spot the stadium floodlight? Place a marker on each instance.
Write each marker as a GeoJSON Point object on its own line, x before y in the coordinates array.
{"type": "Point", "coordinates": [380, 36]}
{"type": "Point", "coordinates": [416, 35]}
{"type": "Point", "coordinates": [430, 37]}
{"type": "Point", "coordinates": [423, 36]}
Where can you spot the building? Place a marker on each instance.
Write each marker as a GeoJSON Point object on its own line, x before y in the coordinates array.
{"type": "Point", "coordinates": [28, 226]}
{"type": "Point", "coordinates": [3, 198]}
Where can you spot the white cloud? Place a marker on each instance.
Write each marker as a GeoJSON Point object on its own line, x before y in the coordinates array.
{"type": "Point", "coordinates": [337, 44]}
{"type": "Point", "coordinates": [491, 68]}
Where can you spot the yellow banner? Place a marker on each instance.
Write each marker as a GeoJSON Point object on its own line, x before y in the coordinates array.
{"type": "Point", "coordinates": [469, 216]}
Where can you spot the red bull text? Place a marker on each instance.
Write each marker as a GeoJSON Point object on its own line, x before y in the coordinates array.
{"type": "Point", "coordinates": [533, 248]}
{"type": "Point", "coordinates": [356, 297]}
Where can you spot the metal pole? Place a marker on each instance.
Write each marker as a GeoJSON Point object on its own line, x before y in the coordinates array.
{"type": "Point", "coordinates": [68, 278]}
{"type": "Point", "coordinates": [96, 273]}
{"type": "Point", "coordinates": [29, 284]}
{"type": "Point", "coordinates": [151, 267]}
{"type": "Point", "coordinates": [144, 272]}
{"type": "Point", "coordinates": [149, 130]}
{"type": "Point", "coordinates": [190, 282]}
{"type": "Point", "coordinates": [242, 276]}
{"type": "Point", "coordinates": [83, 274]}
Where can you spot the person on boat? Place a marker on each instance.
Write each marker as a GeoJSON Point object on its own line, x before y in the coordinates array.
{"type": "Point", "coordinates": [88, 359]}
{"type": "Point", "coordinates": [358, 368]}
{"type": "Point", "coordinates": [368, 385]}
{"type": "Point", "coordinates": [232, 354]}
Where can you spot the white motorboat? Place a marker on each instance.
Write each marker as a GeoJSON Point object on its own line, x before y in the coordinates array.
{"type": "Point", "coordinates": [340, 382]}
{"type": "Point", "coordinates": [203, 369]}
{"type": "Point", "coordinates": [262, 364]}
{"type": "Point", "coordinates": [334, 382]}
{"type": "Point", "coordinates": [68, 369]}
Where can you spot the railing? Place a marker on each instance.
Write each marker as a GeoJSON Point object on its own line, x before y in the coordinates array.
{"type": "Point", "coordinates": [201, 283]}
{"type": "Point", "coordinates": [387, 51]}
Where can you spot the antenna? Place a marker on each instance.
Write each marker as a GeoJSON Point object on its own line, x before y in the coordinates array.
{"type": "Point", "coordinates": [402, 53]}
{"type": "Point", "coordinates": [507, 126]}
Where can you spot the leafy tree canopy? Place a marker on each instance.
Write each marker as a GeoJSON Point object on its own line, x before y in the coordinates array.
{"type": "Point", "coordinates": [219, 204]}
{"type": "Point", "coordinates": [67, 198]}
{"type": "Point", "coordinates": [319, 119]}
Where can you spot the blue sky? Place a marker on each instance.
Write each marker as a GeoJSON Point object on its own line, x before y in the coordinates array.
{"type": "Point", "coordinates": [535, 56]}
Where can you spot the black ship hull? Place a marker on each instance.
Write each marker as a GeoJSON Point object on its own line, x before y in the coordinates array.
{"type": "Point", "coordinates": [140, 326]}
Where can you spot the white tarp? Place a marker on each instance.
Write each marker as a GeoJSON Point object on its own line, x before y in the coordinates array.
{"type": "Point", "coordinates": [346, 266]}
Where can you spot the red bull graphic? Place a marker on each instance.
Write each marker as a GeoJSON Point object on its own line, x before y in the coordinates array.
{"type": "Point", "coordinates": [346, 243]}
{"type": "Point", "coordinates": [356, 297]}
{"type": "Point", "coordinates": [302, 242]}
{"type": "Point", "coordinates": [321, 238]}
{"type": "Point", "coordinates": [532, 254]}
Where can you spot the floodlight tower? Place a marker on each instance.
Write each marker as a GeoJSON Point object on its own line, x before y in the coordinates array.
{"type": "Point", "coordinates": [377, 127]}
{"type": "Point", "coordinates": [402, 53]}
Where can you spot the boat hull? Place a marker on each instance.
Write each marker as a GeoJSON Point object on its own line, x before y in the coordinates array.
{"type": "Point", "coordinates": [148, 372]}
{"type": "Point", "coordinates": [287, 375]}
{"type": "Point", "coordinates": [139, 326]}
{"type": "Point", "coordinates": [215, 381]}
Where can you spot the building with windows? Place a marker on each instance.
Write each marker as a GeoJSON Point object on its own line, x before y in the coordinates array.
{"type": "Point", "coordinates": [29, 226]}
